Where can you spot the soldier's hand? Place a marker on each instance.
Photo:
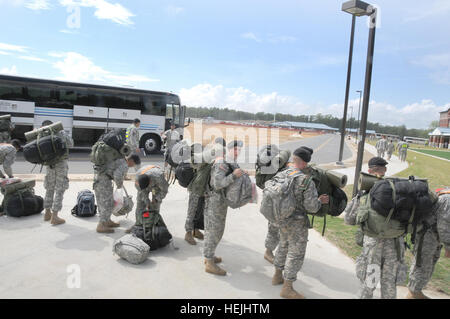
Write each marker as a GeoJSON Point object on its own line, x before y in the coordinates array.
{"type": "Point", "coordinates": [447, 253]}
{"type": "Point", "coordinates": [238, 172]}
{"type": "Point", "coordinates": [324, 199]}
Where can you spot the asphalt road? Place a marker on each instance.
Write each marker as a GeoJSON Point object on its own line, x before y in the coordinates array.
{"type": "Point", "coordinates": [326, 150]}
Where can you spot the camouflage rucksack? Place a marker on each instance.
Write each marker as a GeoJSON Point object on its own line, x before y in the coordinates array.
{"type": "Point", "coordinates": [102, 154]}
{"type": "Point", "coordinates": [266, 171]}
{"type": "Point", "coordinates": [240, 192]}
{"type": "Point", "coordinates": [279, 202]}
{"type": "Point", "coordinates": [5, 125]}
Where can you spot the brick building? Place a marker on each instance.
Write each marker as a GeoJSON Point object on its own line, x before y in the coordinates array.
{"type": "Point", "coordinates": [440, 137]}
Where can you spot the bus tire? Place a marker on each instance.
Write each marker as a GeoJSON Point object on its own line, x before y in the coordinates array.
{"type": "Point", "coordinates": [151, 143]}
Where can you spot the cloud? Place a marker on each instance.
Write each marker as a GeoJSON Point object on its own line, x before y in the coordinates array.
{"type": "Point", "coordinates": [68, 31]}
{"type": "Point", "coordinates": [76, 67]}
{"type": "Point", "coordinates": [416, 115]}
{"type": "Point", "coordinates": [173, 10]}
{"type": "Point", "coordinates": [11, 47]}
{"type": "Point", "coordinates": [104, 10]}
{"type": "Point", "coordinates": [38, 5]}
{"type": "Point", "coordinates": [439, 64]}
{"type": "Point", "coordinates": [428, 9]}
{"type": "Point", "coordinates": [250, 36]}
{"type": "Point", "coordinates": [31, 58]}
{"type": "Point", "coordinates": [9, 71]}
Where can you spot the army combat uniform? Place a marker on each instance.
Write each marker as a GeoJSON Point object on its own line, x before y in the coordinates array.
{"type": "Point", "coordinates": [56, 180]}
{"type": "Point", "coordinates": [172, 138]}
{"type": "Point", "coordinates": [381, 146]}
{"type": "Point", "coordinates": [381, 260]}
{"type": "Point", "coordinates": [433, 238]}
{"type": "Point", "coordinates": [195, 194]}
{"type": "Point", "coordinates": [7, 158]}
{"type": "Point", "coordinates": [103, 187]}
{"type": "Point", "coordinates": [291, 250]}
{"type": "Point", "coordinates": [215, 205]}
{"type": "Point", "coordinates": [132, 139]}
{"type": "Point", "coordinates": [390, 149]}
{"type": "Point", "coordinates": [158, 187]}
{"type": "Point", "coordinates": [5, 136]}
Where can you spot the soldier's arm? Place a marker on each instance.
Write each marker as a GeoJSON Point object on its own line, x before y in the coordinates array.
{"type": "Point", "coordinates": [311, 198]}
{"type": "Point", "coordinates": [219, 176]}
{"type": "Point", "coordinates": [350, 211]}
{"type": "Point", "coordinates": [66, 138]}
{"type": "Point", "coordinates": [162, 189]}
{"type": "Point", "coordinates": [443, 220]}
{"type": "Point", "coordinates": [120, 172]}
{"type": "Point", "coordinates": [9, 161]}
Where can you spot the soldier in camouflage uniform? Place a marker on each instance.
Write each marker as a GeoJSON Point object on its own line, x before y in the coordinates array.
{"type": "Point", "coordinates": [5, 136]}
{"type": "Point", "coordinates": [56, 182]}
{"type": "Point", "coordinates": [103, 188]}
{"type": "Point", "coordinates": [390, 149]}
{"type": "Point", "coordinates": [223, 173]}
{"type": "Point", "coordinates": [196, 192]}
{"type": "Point", "coordinates": [381, 260]}
{"type": "Point", "coordinates": [381, 146]}
{"type": "Point", "coordinates": [172, 137]}
{"type": "Point", "coordinates": [291, 250]}
{"type": "Point", "coordinates": [149, 179]}
{"type": "Point", "coordinates": [132, 139]}
{"type": "Point", "coordinates": [436, 235]}
{"type": "Point", "coordinates": [8, 156]}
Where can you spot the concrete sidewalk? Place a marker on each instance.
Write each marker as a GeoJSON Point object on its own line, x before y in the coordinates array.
{"type": "Point", "coordinates": [36, 258]}
{"type": "Point", "coordinates": [395, 165]}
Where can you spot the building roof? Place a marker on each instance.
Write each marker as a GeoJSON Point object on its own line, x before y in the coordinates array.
{"type": "Point", "coordinates": [367, 131]}
{"type": "Point", "coordinates": [317, 126]}
{"type": "Point", "coordinates": [440, 131]}
{"type": "Point", "coordinates": [445, 111]}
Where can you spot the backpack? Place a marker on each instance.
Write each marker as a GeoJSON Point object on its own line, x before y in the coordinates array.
{"type": "Point", "coordinates": [267, 169]}
{"type": "Point", "coordinates": [376, 225]}
{"type": "Point", "coordinates": [199, 218]}
{"type": "Point", "coordinates": [47, 150]}
{"type": "Point", "coordinates": [201, 179]}
{"type": "Point", "coordinates": [240, 192]}
{"type": "Point", "coordinates": [11, 185]}
{"type": "Point", "coordinates": [116, 138]}
{"type": "Point", "coordinates": [279, 203]}
{"type": "Point", "coordinates": [184, 174]}
{"type": "Point", "coordinates": [131, 248]}
{"type": "Point", "coordinates": [85, 206]}
{"type": "Point", "coordinates": [127, 205]}
{"type": "Point", "coordinates": [157, 236]}
{"type": "Point", "coordinates": [404, 200]}
{"type": "Point", "coordinates": [5, 124]}
{"type": "Point", "coordinates": [22, 202]}
{"type": "Point", "coordinates": [102, 153]}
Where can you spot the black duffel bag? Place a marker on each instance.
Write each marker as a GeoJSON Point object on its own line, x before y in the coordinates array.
{"type": "Point", "coordinates": [115, 138]}
{"type": "Point", "coordinates": [157, 236]}
{"type": "Point", "coordinates": [199, 218]}
{"type": "Point", "coordinates": [184, 174]}
{"type": "Point", "coordinates": [411, 196]}
{"type": "Point", "coordinates": [22, 203]}
{"type": "Point", "coordinates": [45, 150]}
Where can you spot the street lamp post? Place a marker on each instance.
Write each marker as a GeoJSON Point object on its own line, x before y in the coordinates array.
{"type": "Point", "coordinates": [356, 7]}
{"type": "Point", "coordinates": [359, 111]}
{"type": "Point", "coordinates": [347, 89]}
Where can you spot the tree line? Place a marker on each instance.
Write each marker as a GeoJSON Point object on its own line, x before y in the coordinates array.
{"type": "Point", "coordinates": [226, 114]}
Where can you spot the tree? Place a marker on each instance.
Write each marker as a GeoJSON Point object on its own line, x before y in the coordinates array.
{"type": "Point", "coordinates": [433, 125]}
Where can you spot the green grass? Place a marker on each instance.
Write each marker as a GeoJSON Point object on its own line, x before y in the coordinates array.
{"type": "Point", "coordinates": [442, 154]}
{"type": "Point", "coordinates": [343, 236]}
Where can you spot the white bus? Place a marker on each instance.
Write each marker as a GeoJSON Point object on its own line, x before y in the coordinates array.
{"type": "Point", "coordinates": [415, 140]}
{"type": "Point", "coordinates": [87, 110]}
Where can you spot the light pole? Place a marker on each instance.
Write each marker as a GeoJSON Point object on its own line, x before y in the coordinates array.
{"type": "Point", "coordinates": [356, 7]}
{"type": "Point", "coordinates": [359, 111]}
{"type": "Point", "coordinates": [347, 89]}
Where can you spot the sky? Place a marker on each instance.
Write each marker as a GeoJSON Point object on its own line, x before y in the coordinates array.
{"type": "Point", "coordinates": [257, 56]}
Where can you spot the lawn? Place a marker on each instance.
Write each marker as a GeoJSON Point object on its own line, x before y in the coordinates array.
{"type": "Point", "coordinates": [442, 154]}
{"type": "Point", "coordinates": [343, 236]}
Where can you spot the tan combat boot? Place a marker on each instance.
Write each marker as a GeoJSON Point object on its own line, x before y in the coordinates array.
{"type": "Point", "coordinates": [217, 260]}
{"type": "Point", "coordinates": [289, 292]}
{"type": "Point", "coordinates": [277, 278]}
{"type": "Point", "coordinates": [112, 224]}
{"type": "Point", "coordinates": [102, 228]}
{"type": "Point", "coordinates": [55, 220]}
{"type": "Point", "coordinates": [47, 215]}
{"type": "Point", "coordinates": [268, 255]}
{"type": "Point", "coordinates": [198, 234]}
{"type": "Point", "coordinates": [189, 238]}
{"type": "Point", "coordinates": [416, 295]}
{"type": "Point", "coordinates": [212, 268]}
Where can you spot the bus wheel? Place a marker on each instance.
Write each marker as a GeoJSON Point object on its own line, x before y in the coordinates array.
{"type": "Point", "coordinates": [151, 144]}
